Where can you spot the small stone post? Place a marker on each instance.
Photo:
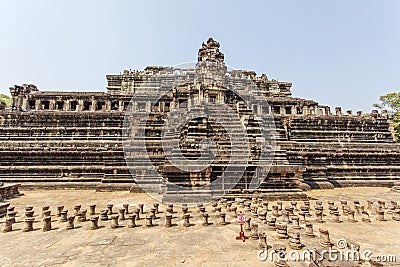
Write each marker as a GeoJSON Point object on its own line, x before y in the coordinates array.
{"type": "Point", "coordinates": [205, 219]}
{"type": "Point", "coordinates": [70, 224]}
{"type": "Point", "coordinates": [324, 239]}
{"type": "Point", "coordinates": [149, 221]}
{"type": "Point", "coordinates": [114, 221]}
{"type": "Point", "coordinates": [262, 240]}
{"type": "Point", "coordinates": [64, 215]}
{"type": "Point", "coordinates": [309, 230]}
{"type": "Point", "coordinates": [295, 221]}
{"type": "Point", "coordinates": [254, 231]}
{"type": "Point", "coordinates": [294, 241]}
{"type": "Point", "coordinates": [247, 226]}
{"type": "Point", "coordinates": [94, 222]}
{"type": "Point", "coordinates": [156, 205]}
{"type": "Point", "coordinates": [110, 209]}
{"type": "Point", "coordinates": [104, 215]}
{"type": "Point", "coordinates": [222, 217]}
{"type": "Point", "coordinates": [350, 216]}
{"type": "Point", "coordinates": [8, 225]}
{"type": "Point", "coordinates": [28, 224]}
{"type": "Point", "coordinates": [126, 207]}
{"type": "Point", "coordinates": [92, 209]}
{"type": "Point", "coordinates": [132, 221]}
{"type": "Point", "coordinates": [122, 214]}
{"type": "Point", "coordinates": [59, 210]}
{"type": "Point", "coordinates": [141, 207]}
{"type": "Point", "coordinates": [186, 220]}
{"type": "Point", "coordinates": [168, 220]}
{"type": "Point", "coordinates": [281, 229]}
{"type": "Point", "coordinates": [77, 208]}
{"type": "Point", "coordinates": [46, 224]}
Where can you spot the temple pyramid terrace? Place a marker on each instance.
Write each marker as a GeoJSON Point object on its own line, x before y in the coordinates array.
{"type": "Point", "coordinates": [59, 140]}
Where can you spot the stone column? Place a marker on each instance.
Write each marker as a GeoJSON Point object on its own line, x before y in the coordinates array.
{"type": "Point", "coordinates": [262, 215]}
{"type": "Point", "coordinates": [271, 223]}
{"type": "Point", "coordinates": [64, 215]}
{"type": "Point", "coordinates": [155, 205]}
{"type": "Point", "coordinates": [110, 209]}
{"type": "Point", "coordinates": [77, 208]}
{"type": "Point", "coordinates": [28, 208]}
{"type": "Point", "coordinates": [294, 205]}
{"type": "Point", "coordinates": [92, 209]}
{"type": "Point", "coordinates": [370, 204]}
{"type": "Point", "coordinates": [254, 231]}
{"type": "Point", "coordinates": [46, 224]}
{"type": "Point", "coordinates": [29, 213]}
{"type": "Point", "coordinates": [380, 215]}
{"type": "Point", "coordinates": [141, 207]}
{"type": "Point", "coordinates": [45, 208]}
{"type": "Point", "coordinates": [153, 212]}
{"type": "Point", "coordinates": [205, 219]}
{"type": "Point", "coordinates": [222, 219]}
{"type": "Point", "coordinates": [350, 216]}
{"type": "Point", "coordinates": [336, 216]}
{"type": "Point", "coordinates": [365, 217]}
{"type": "Point", "coordinates": [324, 239]}
{"type": "Point", "coordinates": [59, 210]}
{"type": "Point", "coordinates": [46, 213]}
{"type": "Point", "coordinates": [247, 226]}
{"type": "Point", "coordinates": [137, 213]}
{"type": "Point", "coordinates": [279, 204]}
{"type": "Point", "coordinates": [229, 206]}
{"type": "Point", "coordinates": [294, 241]}
{"type": "Point", "coordinates": [8, 225]}
{"type": "Point", "coordinates": [104, 215]}
{"type": "Point", "coordinates": [275, 211]}
{"type": "Point", "coordinates": [318, 214]}
{"type": "Point", "coordinates": [285, 216]}
{"type": "Point", "coordinates": [94, 222]}
{"type": "Point", "coordinates": [186, 220]}
{"type": "Point", "coordinates": [279, 249]}
{"type": "Point", "coordinates": [309, 230]}
{"type": "Point", "coordinates": [149, 221]}
{"type": "Point", "coordinates": [184, 208]}
{"type": "Point", "coordinates": [168, 220]}
{"type": "Point", "coordinates": [122, 214]}
{"type": "Point", "coordinates": [263, 240]}
{"type": "Point", "coordinates": [302, 216]}
{"type": "Point", "coordinates": [126, 207]}
{"type": "Point", "coordinates": [114, 221]}
{"type": "Point", "coordinates": [82, 216]}
{"type": "Point", "coordinates": [28, 224]}
{"type": "Point", "coordinates": [265, 206]}
{"type": "Point", "coordinates": [11, 215]}
{"type": "Point", "coordinates": [70, 224]}
{"type": "Point", "coordinates": [281, 229]}
{"type": "Point", "coordinates": [295, 221]}
{"type": "Point", "coordinates": [132, 221]}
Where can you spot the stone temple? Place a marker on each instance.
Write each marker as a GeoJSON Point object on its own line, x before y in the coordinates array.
{"type": "Point", "coordinates": [55, 139]}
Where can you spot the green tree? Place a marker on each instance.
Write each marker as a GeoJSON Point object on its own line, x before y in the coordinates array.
{"type": "Point", "coordinates": [6, 99]}
{"type": "Point", "coordinates": [391, 102]}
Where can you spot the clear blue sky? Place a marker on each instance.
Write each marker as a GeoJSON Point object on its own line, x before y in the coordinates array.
{"type": "Point", "coordinates": [339, 53]}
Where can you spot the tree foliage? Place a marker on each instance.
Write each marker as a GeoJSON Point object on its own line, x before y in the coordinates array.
{"type": "Point", "coordinates": [6, 99]}
{"type": "Point", "coordinates": [391, 102]}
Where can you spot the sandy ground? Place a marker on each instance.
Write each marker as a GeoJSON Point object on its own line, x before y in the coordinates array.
{"type": "Point", "coordinates": [197, 245]}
